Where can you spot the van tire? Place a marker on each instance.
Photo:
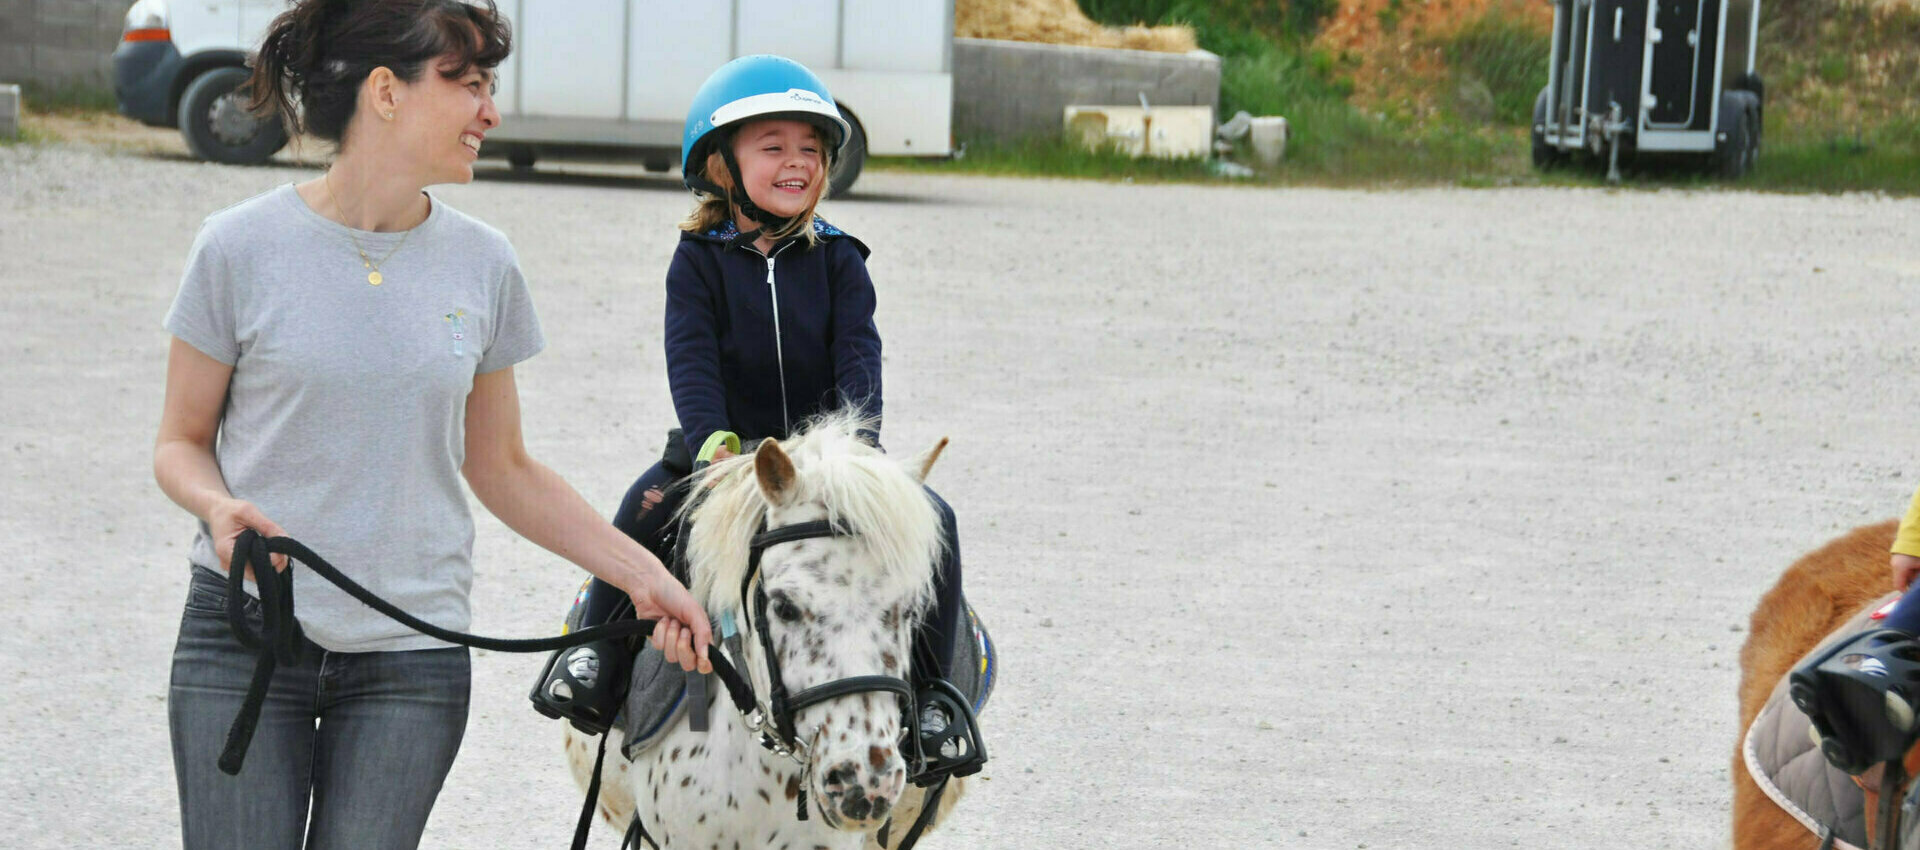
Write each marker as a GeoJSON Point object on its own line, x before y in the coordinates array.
{"type": "Point", "coordinates": [216, 126]}
{"type": "Point", "coordinates": [853, 157]}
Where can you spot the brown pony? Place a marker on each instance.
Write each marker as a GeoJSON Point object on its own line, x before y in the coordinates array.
{"type": "Point", "coordinates": [1812, 598]}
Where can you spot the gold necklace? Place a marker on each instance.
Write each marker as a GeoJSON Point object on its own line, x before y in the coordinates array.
{"type": "Point", "coordinates": [374, 278]}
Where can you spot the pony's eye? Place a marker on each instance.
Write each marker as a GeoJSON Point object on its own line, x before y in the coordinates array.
{"type": "Point", "coordinates": [786, 610]}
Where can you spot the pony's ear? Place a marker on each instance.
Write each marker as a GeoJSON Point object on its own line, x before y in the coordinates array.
{"type": "Point", "coordinates": [923, 462]}
{"type": "Point", "coordinates": [775, 471]}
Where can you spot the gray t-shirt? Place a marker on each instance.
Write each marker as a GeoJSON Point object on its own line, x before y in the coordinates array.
{"type": "Point", "coordinates": [345, 419]}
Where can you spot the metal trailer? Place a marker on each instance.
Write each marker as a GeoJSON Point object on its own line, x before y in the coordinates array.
{"type": "Point", "coordinates": [1652, 77]}
{"type": "Point", "coordinates": [593, 76]}
{"type": "Point", "coordinates": [587, 78]}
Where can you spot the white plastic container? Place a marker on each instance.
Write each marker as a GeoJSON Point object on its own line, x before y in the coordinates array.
{"type": "Point", "coordinates": [1269, 138]}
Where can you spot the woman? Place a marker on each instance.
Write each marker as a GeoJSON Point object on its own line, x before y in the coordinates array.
{"type": "Point", "coordinates": [343, 355]}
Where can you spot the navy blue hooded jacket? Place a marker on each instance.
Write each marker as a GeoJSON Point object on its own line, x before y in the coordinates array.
{"type": "Point", "coordinates": [725, 358]}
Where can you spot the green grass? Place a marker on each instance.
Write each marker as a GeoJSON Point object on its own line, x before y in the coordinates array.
{"type": "Point", "coordinates": [1500, 51]}
{"type": "Point", "coordinates": [65, 99]}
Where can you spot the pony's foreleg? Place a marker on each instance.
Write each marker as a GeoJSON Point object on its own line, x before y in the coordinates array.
{"type": "Point", "coordinates": [616, 795]}
{"type": "Point", "coordinates": [909, 808]}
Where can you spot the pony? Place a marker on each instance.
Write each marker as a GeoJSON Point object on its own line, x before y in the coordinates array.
{"type": "Point", "coordinates": [836, 607]}
{"type": "Point", "coordinates": [1814, 597]}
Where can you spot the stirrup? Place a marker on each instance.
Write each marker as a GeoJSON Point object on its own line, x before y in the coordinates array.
{"type": "Point", "coordinates": [586, 685]}
{"type": "Point", "coordinates": [945, 735]}
{"type": "Point", "coordinates": [1859, 694]}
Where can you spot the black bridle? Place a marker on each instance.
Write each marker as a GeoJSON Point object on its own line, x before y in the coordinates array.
{"type": "Point", "coordinates": [775, 723]}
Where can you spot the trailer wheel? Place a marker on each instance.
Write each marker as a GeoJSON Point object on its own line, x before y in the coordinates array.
{"type": "Point", "coordinates": [520, 157]}
{"type": "Point", "coordinates": [216, 124]}
{"type": "Point", "coordinates": [1546, 157]}
{"type": "Point", "coordinates": [1733, 157]}
{"type": "Point", "coordinates": [853, 156]}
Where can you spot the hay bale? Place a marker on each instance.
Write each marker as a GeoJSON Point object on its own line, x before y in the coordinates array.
{"type": "Point", "coordinates": [1061, 22]}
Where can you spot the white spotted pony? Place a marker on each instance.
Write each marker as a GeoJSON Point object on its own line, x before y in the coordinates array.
{"type": "Point", "coordinates": [837, 607]}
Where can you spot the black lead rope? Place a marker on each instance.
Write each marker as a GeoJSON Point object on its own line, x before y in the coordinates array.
{"type": "Point", "coordinates": [280, 639]}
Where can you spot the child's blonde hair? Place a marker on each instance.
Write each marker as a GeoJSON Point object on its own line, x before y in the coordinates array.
{"type": "Point", "coordinates": [711, 211]}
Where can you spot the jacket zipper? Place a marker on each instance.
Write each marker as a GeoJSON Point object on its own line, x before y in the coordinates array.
{"type": "Point", "coordinates": [779, 352]}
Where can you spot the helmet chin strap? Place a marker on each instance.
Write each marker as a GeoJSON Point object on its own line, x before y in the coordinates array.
{"type": "Point", "coordinates": [738, 197]}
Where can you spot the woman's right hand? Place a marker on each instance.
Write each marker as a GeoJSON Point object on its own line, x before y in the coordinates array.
{"type": "Point", "coordinates": [228, 518]}
{"type": "Point", "coordinates": [1905, 567]}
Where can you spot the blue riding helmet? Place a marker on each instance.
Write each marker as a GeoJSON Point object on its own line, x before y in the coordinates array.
{"type": "Point", "coordinates": [754, 87]}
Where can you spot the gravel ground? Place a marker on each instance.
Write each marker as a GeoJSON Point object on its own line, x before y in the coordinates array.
{"type": "Point", "coordinates": [1304, 518]}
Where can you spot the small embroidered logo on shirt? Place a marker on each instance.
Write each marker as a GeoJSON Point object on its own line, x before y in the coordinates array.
{"type": "Point", "coordinates": [458, 318]}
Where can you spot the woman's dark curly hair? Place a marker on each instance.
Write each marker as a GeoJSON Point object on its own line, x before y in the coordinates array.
{"type": "Point", "coordinates": [316, 54]}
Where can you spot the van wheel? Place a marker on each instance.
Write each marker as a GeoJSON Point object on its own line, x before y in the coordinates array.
{"type": "Point", "coordinates": [217, 126]}
{"type": "Point", "coordinates": [520, 157]}
{"type": "Point", "coordinates": [852, 158]}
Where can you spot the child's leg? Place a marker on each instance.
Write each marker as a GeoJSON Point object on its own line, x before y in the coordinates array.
{"type": "Point", "coordinates": [643, 514]}
{"type": "Point", "coordinates": [647, 506]}
{"type": "Point", "coordinates": [938, 633]}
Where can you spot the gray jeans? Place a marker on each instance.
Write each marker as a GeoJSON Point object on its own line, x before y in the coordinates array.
{"type": "Point", "coordinates": [365, 738]}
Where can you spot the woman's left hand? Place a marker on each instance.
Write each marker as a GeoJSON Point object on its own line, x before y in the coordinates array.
{"type": "Point", "coordinates": [682, 630]}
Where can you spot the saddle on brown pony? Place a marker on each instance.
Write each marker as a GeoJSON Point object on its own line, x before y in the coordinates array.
{"type": "Point", "coordinates": [1786, 795]}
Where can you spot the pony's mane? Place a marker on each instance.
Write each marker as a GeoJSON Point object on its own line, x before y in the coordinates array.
{"type": "Point", "coordinates": [861, 487]}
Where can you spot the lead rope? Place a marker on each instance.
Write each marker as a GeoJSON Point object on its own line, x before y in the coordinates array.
{"type": "Point", "coordinates": [280, 639]}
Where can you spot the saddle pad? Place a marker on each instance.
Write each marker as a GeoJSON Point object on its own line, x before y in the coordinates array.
{"type": "Point", "coordinates": [657, 697]}
{"type": "Point", "coordinates": [1781, 757]}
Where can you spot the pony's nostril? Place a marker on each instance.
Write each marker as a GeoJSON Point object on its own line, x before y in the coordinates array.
{"type": "Point", "coordinates": [842, 775]}
{"type": "Point", "coordinates": [857, 806]}
{"type": "Point", "coordinates": [880, 807]}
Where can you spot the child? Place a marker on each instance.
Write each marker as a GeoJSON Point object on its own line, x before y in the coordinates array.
{"type": "Point", "coordinates": [769, 316]}
{"type": "Point", "coordinates": [1859, 692]}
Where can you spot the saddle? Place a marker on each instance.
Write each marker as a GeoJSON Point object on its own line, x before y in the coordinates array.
{"type": "Point", "coordinates": [1782, 757]}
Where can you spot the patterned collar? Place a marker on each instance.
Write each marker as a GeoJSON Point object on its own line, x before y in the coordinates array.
{"type": "Point", "coordinates": [821, 229]}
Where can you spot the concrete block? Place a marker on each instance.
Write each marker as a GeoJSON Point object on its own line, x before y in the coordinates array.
{"type": "Point", "coordinates": [9, 111]}
{"type": "Point", "coordinates": [113, 17]}
{"type": "Point", "coordinates": [16, 14]}
{"type": "Point", "coordinates": [1006, 90]}
{"type": "Point", "coordinates": [1166, 132]}
{"type": "Point", "coordinates": [15, 61]}
{"type": "Point", "coordinates": [73, 66]}
{"type": "Point", "coordinates": [64, 12]}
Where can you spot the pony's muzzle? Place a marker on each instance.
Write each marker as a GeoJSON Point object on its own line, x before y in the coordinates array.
{"type": "Point", "coordinates": [860, 794]}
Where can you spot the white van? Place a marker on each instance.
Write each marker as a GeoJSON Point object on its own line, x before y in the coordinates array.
{"type": "Point", "coordinates": [587, 77]}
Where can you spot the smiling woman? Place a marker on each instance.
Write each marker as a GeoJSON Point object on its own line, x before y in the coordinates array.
{"type": "Point", "coordinates": [348, 344]}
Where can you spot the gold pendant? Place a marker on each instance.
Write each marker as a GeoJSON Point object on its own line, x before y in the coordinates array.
{"type": "Point", "coordinates": [374, 278]}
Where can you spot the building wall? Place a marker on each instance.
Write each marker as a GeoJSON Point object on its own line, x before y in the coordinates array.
{"type": "Point", "coordinates": [60, 43]}
{"type": "Point", "coordinates": [1007, 90]}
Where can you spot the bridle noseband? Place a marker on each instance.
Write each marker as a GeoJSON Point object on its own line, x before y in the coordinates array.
{"type": "Point", "coordinates": [775, 721]}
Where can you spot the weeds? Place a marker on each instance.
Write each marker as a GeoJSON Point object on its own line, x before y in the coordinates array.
{"type": "Point", "coordinates": [66, 99]}
{"type": "Point", "coordinates": [1508, 55]}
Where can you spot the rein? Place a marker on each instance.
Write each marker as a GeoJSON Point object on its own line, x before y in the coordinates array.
{"type": "Point", "coordinates": [279, 640]}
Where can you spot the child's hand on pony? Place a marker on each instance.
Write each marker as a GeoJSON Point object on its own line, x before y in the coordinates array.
{"type": "Point", "coordinates": [1905, 567]}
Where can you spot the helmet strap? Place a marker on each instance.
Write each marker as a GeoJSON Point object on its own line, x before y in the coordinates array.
{"type": "Point", "coordinates": [738, 197]}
